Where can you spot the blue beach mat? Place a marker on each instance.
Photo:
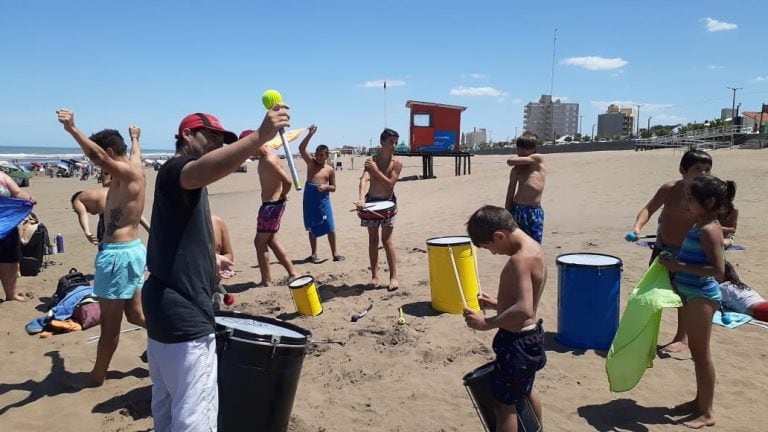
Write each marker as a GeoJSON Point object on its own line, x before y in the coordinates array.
{"type": "Point", "coordinates": [737, 319]}
{"type": "Point", "coordinates": [634, 346]}
{"type": "Point", "coordinates": [12, 212]}
{"type": "Point", "coordinates": [318, 213]}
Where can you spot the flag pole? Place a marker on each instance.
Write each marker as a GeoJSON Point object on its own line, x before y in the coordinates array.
{"type": "Point", "coordinates": [385, 103]}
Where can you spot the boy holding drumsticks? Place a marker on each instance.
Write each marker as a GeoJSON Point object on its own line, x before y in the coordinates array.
{"type": "Point", "coordinates": [519, 341]}
{"type": "Point", "coordinates": [380, 175]}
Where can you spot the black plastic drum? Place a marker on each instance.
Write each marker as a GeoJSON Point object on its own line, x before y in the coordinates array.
{"type": "Point", "coordinates": [260, 363]}
{"type": "Point", "coordinates": [478, 385]}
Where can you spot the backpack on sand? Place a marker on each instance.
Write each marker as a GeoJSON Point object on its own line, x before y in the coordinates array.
{"type": "Point", "coordinates": [67, 283]}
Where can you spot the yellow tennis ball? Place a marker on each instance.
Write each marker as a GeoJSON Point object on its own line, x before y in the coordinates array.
{"type": "Point", "coordinates": [270, 98]}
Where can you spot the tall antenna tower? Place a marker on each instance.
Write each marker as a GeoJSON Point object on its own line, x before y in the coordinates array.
{"type": "Point", "coordinates": [551, 90]}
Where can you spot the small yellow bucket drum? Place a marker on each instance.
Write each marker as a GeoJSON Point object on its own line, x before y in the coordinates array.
{"type": "Point", "coordinates": [305, 296]}
{"type": "Point", "coordinates": [445, 289]}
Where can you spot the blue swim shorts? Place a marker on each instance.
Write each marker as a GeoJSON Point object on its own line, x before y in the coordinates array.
{"type": "Point", "coordinates": [530, 219]}
{"type": "Point", "coordinates": [119, 270]}
{"type": "Point", "coordinates": [518, 356]}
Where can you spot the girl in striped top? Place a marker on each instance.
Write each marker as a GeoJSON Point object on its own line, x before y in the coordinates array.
{"type": "Point", "coordinates": [698, 267]}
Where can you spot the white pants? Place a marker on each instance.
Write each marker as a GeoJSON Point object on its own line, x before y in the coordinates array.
{"type": "Point", "coordinates": [185, 396]}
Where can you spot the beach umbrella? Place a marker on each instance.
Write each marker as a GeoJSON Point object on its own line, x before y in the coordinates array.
{"type": "Point", "coordinates": [36, 164]}
{"type": "Point", "coordinates": [12, 212]}
{"type": "Point", "coordinates": [62, 165]}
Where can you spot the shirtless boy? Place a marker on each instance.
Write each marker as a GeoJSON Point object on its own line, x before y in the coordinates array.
{"type": "Point", "coordinates": [674, 222]}
{"type": "Point", "coordinates": [119, 266]}
{"type": "Point", "coordinates": [519, 341]}
{"type": "Point", "coordinates": [526, 185]}
{"type": "Point", "coordinates": [378, 179]}
{"type": "Point", "coordinates": [318, 213]}
{"type": "Point", "coordinates": [275, 185]}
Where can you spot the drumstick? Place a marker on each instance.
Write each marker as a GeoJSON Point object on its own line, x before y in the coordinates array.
{"type": "Point", "coordinates": [456, 274]}
{"type": "Point", "coordinates": [269, 99]}
{"type": "Point", "coordinates": [477, 275]}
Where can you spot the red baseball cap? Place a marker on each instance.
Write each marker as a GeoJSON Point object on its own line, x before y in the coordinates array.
{"type": "Point", "coordinates": [245, 133]}
{"type": "Point", "coordinates": [201, 120]}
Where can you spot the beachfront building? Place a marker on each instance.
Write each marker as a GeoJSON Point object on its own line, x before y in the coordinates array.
{"type": "Point", "coordinates": [474, 138]}
{"type": "Point", "coordinates": [615, 122]}
{"type": "Point", "coordinates": [551, 119]}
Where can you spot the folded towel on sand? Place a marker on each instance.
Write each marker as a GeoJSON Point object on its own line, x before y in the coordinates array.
{"type": "Point", "coordinates": [737, 319]}
{"type": "Point", "coordinates": [318, 213]}
{"type": "Point", "coordinates": [634, 346]}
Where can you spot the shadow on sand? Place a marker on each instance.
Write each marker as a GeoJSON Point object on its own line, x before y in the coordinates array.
{"type": "Point", "coordinates": [54, 384]}
{"type": "Point", "coordinates": [624, 414]}
{"type": "Point", "coordinates": [551, 344]}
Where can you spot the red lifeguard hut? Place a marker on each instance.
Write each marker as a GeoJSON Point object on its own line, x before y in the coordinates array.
{"type": "Point", "coordinates": [436, 131]}
{"type": "Point", "coordinates": [435, 128]}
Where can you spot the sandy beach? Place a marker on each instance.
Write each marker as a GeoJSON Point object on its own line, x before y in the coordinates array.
{"type": "Point", "coordinates": [376, 375]}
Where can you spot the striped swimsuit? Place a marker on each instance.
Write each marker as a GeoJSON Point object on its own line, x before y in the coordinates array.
{"type": "Point", "coordinates": [691, 285]}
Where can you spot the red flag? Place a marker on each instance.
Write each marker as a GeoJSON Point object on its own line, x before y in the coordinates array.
{"type": "Point", "coordinates": [385, 84]}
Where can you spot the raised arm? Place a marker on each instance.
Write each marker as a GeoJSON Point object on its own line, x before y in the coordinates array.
{"type": "Point", "coordinates": [95, 153]}
{"type": "Point", "coordinates": [223, 161]}
{"type": "Point", "coordinates": [135, 132]}
{"type": "Point", "coordinates": [305, 142]}
{"type": "Point", "coordinates": [15, 190]}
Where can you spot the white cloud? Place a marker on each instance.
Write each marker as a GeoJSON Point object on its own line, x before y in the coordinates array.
{"type": "Point", "coordinates": [761, 78]}
{"type": "Point", "coordinates": [714, 25]}
{"type": "Point", "coordinates": [595, 62]}
{"type": "Point", "coordinates": [713, 67]}
{"type": "Point", "coordinates": [380, 83]}
{"type": "Point", "coordinates": [645, 107]}
{"type": "Point", "coordinates": [474, 76]}
{"type": "Point", "coordinates": [477, 91]}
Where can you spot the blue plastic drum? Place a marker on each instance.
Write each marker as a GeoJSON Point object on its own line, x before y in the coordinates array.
{"type": "Point", "coordinates": [588, 292]}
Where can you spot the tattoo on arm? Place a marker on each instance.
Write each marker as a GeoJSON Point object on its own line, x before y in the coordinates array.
{"type": "Point", "coordinates": [114, 217]}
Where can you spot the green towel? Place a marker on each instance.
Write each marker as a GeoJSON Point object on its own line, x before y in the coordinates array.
{"type": "Point", "coordinates": [634, 345]}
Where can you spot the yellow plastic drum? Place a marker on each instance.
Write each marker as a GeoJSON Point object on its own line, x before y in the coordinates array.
{"type": "Point", "coordinates": [305, 296]}
{"type": "Point", "coordinates": [444, 288]}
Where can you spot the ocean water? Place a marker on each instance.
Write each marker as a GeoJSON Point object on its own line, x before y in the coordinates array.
{"type": "Point", "coordinates": [54, 154]}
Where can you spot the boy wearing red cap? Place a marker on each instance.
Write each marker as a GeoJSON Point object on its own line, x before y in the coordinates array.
{"type": "Point", "coordinates": [177, 296]}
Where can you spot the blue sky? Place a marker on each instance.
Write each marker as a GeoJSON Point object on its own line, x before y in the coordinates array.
{"type": "Point", "coordinates": [152, 62]}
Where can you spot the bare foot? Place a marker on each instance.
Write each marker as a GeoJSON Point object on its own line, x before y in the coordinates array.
{"type": "Point", "coordinates": [700, 422]}
{"type": "Point", "coordinates": [264, 283]}
{"type": "Point", "coordinates": [687, 407]}
{"type": "Point", "coordinates": [81, 380]}
{"type": "Point", "coordinates": [674, 347]}
{"type": "Point", "coordinates": [17, 297]}
{"type": "Point", "coordinates": [393, 285]}
{"type": "Point", "coordinates": [374, 282]}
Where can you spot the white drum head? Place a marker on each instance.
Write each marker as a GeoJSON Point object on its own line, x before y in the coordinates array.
{"type": "Point", "coordinates": [300, 282]}
{"type": "Point", "coordinates": [379, 205]}
{"type": "Point", "coordinates": [589, 260]}
{"type": "Point", "coordinates": [256, 327]}
{"type": "Point", "coordinates": [449, 241]}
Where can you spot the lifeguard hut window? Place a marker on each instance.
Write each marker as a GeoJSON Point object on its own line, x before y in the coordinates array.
{"type": "Point", "coordinates": [422, 119]}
